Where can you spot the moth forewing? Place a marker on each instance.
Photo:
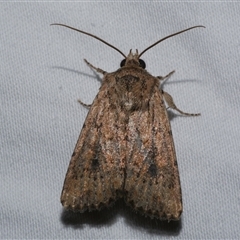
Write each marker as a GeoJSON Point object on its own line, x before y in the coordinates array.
{"type": "Point", "coordinates": [95, 175]}
{"type": "Point", "coordinates": [152, 182]}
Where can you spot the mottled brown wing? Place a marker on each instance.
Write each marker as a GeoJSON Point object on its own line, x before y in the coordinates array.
{"type": "Point", "coordinates": [95, 175]}
{"type": "Point", "coordinates": [152, 182]}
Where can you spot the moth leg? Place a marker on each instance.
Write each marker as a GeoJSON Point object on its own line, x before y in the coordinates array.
{"type": "Point", "coordinates": [84, 104]}
{"type": "Point", "coordinates": [99, 70]}
{"type": "Point", "coordinates": [168, 98]}
{"type": "Point", "coordinates": [167, 76]}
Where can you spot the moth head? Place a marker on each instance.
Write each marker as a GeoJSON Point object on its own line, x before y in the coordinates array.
{"type": "Point", "coordinates": [133, 60]}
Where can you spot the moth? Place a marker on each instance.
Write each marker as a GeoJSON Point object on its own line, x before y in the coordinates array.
{"type": "Point", "coordinates": [125, 148]}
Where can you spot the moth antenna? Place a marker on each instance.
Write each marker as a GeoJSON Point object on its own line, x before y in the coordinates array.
{"type": "Point", "coordinates": [91, 35]}
{"type": "Point", "coordinates": [166, 38]}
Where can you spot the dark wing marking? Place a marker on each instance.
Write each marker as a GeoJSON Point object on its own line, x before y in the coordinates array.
{"type": "Point", "coordinates": [152, 182]}
{"type": "Point", "coordinates": [95, 175]}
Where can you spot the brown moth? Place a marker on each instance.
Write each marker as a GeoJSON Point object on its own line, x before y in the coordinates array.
{"type": "Point", "coordinates": [125, 148]}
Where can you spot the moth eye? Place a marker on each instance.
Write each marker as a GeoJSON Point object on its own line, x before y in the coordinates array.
{"type": "Point", "coordinates": [142, 64]}
{"type": "Point", "coordinates": [122, 64]}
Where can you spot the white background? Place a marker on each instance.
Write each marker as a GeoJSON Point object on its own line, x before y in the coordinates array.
{"type": "Point", "coordinates": [42, 74]}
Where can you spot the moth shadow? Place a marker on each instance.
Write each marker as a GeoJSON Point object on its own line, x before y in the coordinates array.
{"type": "Point", "coordinates": [95, 76]}
{"type": "Point", "coordinates": [180, 81]}
{"type": "Point", "coordinates": [108, 216]}
{"type": "Point", "coordinates": [96, 218]}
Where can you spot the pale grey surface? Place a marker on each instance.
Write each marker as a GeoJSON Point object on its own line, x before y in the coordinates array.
{"type": "Point", "coordinates": [43, 75]}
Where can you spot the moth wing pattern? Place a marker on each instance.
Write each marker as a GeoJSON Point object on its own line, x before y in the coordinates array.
{"type": "Point", "coordinates": [95, 175]}
{"type": "Point", "coordinates": [152, 183]}
{"type": "Point", "coordinates": [125, 148]}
